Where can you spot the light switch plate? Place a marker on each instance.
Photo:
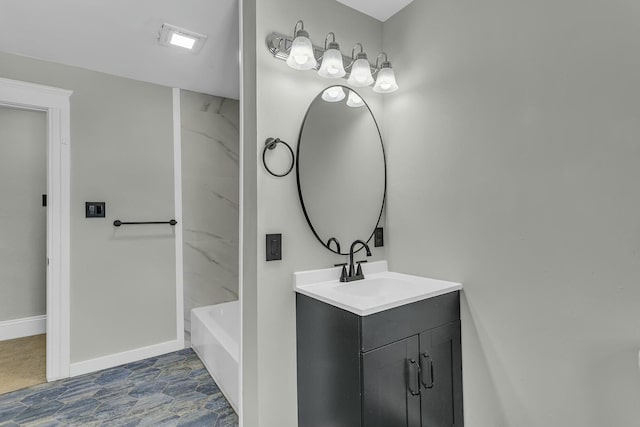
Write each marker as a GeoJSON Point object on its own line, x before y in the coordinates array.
{"type": "Point", "coordinates": [94, 209]}
{"type": "Point", "coordinates": [274, 247]}
{"type": "Point", "coordinates": [378, 237]}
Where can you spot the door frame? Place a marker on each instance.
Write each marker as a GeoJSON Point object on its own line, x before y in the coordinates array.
{"type": "Point", "coordinates": [56, 103]}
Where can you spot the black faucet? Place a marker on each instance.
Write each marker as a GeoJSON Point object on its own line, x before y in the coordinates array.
{"type": "Point", "coordinates": [354, 274]}
{"type": "Point", "coordinates": [333, 239]}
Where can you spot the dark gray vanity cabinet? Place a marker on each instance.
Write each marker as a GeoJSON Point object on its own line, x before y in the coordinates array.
{"type": "Point", "coordinates": [387, 396]}
{"type": "Point", "coordinates": [398, 368]}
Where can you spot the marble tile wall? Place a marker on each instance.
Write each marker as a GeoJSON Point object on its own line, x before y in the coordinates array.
{"type": "Point", "coordinates": [210, 200]}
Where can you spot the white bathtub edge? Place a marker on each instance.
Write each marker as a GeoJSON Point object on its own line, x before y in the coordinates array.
{"type": "Point", "coordinates": [217, 381]}
{"type": "Point", "coordinates": [214, 345]}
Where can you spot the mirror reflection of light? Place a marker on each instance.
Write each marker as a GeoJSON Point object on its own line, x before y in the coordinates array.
{"type": "Point", "coordinates": [354, 100]}
{"type": "Point", "coordinates": [333, 94]}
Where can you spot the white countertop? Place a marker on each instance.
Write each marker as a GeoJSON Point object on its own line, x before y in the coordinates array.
{"type": "Point", "coordinates": [380, 290]}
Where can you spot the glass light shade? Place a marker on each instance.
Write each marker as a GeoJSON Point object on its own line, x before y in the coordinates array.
{"type": "Point", "coordinates": [360, 73]}
{"type": "Point", "coordinates": [301, 54]}
{"type": "Point", "coordinates": [354, 100]}
{"type": "Point", "coordinates": [386, 81]}
{"type": "Point", "coordinates": [333, 94]}
{"type": "Point", "coordinates": [332, 66]}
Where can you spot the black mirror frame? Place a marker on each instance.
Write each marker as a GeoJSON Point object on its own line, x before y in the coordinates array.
{"type": "Point", "coordinates": [384, 157]}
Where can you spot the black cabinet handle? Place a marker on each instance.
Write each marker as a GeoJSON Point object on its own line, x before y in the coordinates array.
{"type": "Point", "coordinates": [426, 372]}
{"type": "Point", "coordinates": [412, 376]}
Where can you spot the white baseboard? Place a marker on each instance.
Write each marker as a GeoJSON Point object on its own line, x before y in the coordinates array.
{"type": "Point", "coordinates": [112, 360]}
{"type": "Point", "coordinates": [20, 328]}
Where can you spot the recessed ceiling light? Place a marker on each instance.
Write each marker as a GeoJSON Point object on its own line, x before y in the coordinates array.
{"type": "Point", "coordinates": [170, 35]}
{"type": "Point", "coordinates": [182, 41]}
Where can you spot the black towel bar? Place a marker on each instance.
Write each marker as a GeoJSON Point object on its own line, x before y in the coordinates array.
{"type": "Point", "coordinates": [118, 223]}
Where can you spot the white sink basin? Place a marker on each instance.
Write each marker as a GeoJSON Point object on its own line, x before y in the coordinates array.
{"type": "Point", "coordinates": [380, 290]}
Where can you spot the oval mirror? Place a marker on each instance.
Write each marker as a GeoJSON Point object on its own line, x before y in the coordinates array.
{"type": "Point", "coordinates": [341, 169]}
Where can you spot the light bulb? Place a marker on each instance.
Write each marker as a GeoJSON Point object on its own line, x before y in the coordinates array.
{"type": "Point", "coordinates": [386, 81]}
{"type": "Point", "coordinates": [301, 54]}
{"type": "Point", "coordinates": [333, 94]}
{"type": "Point", "coordinates": [354, 100]}
{"type": "Point", "coordinates": [360, 73]}
{"type": "Point", "coordinates": [332, 66]}
{"type": "Point", "coordinates": [300, 59]}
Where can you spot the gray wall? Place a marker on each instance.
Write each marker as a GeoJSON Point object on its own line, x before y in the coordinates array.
{"type": "Point", "coordinates": [514, 140]}
{"type": "Point", "coordinates": [122, 280]}
{"type": "Point", "coordinates": [210, 206]}
{"type": "Point", "coordinates": [282, 96]}
{"type": "Point", "coordinates": [23, 220]}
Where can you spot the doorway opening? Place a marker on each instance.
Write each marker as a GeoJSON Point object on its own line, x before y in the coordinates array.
{"type": "Point", "coordinates": [34, 145]}
{"type": "Point", "coordinates": [23, 270]}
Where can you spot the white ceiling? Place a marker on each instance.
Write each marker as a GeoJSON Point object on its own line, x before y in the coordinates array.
{"type": "Point", "coordinates": [120, 37]}
{"type": "Point", "coordinates": [379, 9]}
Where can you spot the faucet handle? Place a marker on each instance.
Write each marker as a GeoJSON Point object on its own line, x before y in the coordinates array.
{"type": "Point", "coordinates": [359, 271]}
{"type": "Point", "coordinates": [343, 273]}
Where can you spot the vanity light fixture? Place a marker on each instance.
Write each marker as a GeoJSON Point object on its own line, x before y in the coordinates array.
{"type": "Point", "coordinates": [334, 94]}
{"type": "Point", "coordinates": [332, 66]}
{"type": "Point", "coordinates": [354, 100]}
{"type": "Point", "coordinates": [301, 55]}
{"type": "Point", "coordinates": [386, 78]}
{"type": "Point", "coordinates": [170, 35]}
{"type": "Point", "coordinates": [361, 69]}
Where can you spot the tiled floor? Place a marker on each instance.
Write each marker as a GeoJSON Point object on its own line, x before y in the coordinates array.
{"type": "Point", "coordinates": [170, 390]}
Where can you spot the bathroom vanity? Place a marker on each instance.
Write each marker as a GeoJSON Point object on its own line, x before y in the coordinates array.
{"type": "Point", "coordinates": [381, 352]}
{"type": "Point", "coordinates": [375, 348]}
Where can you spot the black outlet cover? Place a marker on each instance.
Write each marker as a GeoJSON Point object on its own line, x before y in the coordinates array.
{"type": "Point", "coordinates": [274, 247]}
{"type": "Point", "coordinates": [379, 237]}
{"type": "Point", "coordinates": [94, 209]}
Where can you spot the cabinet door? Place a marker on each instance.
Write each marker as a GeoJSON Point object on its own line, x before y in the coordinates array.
{"type": "Point", "coordinates": [391, 390]}
{"type": "Point", "coordinates": [441, 377]}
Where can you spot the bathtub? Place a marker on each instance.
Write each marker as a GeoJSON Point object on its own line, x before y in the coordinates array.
{"type": "Point", "coordinates": [215, 337]}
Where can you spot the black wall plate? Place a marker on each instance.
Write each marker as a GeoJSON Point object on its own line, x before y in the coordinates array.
{"type": "Point", "coordinates": [274, 247]}
{"type": "Point", "coordinates": [94, 209]}
{"type": "Point", "coordinates": [378, 237]}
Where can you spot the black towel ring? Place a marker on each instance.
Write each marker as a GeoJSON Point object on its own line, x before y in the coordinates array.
{"type": "Point", "coordinates": [271, 144]}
